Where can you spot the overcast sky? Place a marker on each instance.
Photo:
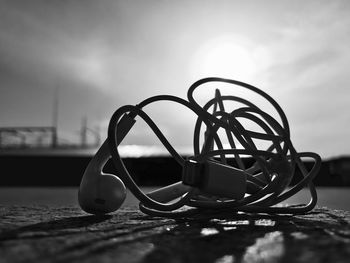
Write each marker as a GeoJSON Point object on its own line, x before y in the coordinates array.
{"type": "Point", "coordinates": [101, 55]}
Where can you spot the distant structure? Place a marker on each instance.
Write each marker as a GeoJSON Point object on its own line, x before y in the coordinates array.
{"type": "Point", "coordinates": [47, 137]}
{"type": "Point", "coordinates": [44, 137]}
{"type": "Point", "coordinates": [23, 137]}
{"type": "Point", "coordinates": [85, 130]}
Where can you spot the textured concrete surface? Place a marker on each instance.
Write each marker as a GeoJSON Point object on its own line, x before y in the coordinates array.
{"type": "Point", "coordinates": [65, 234]}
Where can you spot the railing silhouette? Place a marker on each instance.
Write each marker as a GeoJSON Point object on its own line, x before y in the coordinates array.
{"type": "Point", "coordinates": [41, 137]}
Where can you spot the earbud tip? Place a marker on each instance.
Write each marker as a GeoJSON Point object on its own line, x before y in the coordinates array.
{"type": "Point", "coordinates": [103, 196]}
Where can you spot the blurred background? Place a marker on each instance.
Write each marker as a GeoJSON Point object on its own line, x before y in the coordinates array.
{"type": "Point", "coordinates": [66, 66]}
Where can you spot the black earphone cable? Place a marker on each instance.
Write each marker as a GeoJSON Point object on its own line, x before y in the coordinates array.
{"type": "Point", "coordinates": [267, 188]}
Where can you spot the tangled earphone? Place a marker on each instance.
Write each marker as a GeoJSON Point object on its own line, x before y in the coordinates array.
{"type": "Point", "coordinates": [209, 183]}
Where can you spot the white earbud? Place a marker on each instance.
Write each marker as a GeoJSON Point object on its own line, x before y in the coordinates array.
{"type": "Point", "coordinates": [100, 193]}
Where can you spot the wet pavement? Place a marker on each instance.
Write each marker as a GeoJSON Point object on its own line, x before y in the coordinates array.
{"type": "Point", "coordinates": [66, 234]}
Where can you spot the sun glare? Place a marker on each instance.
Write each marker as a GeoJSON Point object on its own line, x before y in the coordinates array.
{"type": "Point", "coordinates": [224, 57]}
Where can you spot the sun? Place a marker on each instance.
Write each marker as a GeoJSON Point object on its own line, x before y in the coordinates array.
{"type": "Point", "coordinates": [224, 57]}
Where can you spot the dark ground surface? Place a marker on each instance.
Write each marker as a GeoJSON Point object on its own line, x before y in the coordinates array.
{"type": "Point", "coordinates": [61, 234]}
